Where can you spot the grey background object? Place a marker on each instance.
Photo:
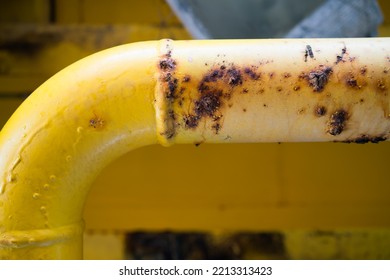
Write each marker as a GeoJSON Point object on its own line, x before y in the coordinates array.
{"type": "Point", "coordinates": [238, 19]}
{"type": "Point", "coordinates": [341, 18]}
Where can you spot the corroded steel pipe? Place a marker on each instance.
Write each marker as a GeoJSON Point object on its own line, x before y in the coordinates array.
{"type": "Point", "coordinates": [175, 92]}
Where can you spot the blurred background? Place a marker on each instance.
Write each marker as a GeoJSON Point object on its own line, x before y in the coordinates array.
{"type": "Point", "coordinates": [237, 201]}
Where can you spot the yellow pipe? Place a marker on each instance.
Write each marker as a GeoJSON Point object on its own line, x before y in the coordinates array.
{"type": "Point", "coordinates": [169, 92]}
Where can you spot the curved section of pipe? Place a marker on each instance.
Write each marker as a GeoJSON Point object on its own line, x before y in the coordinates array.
{"type": "Point", "coordinates": [175, 92]}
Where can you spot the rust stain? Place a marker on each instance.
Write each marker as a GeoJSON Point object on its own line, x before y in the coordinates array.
{"type": "Point", "coordinates": [97, 123]}
{"type": "Point", "coordinates": [191, 121]}
{"type": "Point", "coordinates": [340, 58]}
{"type": "Point", "coordinates": [318, 78]}
{"type": "Point", "coordinates": [351, 81]}
{"type": "Point", "coordinates": [235, 77]}
{"type": "Point", "coordinates": [336, 122]}
{"type": "Point", "coordinates": [319, 111]}
{"type": "Point", "coordinates": [208, 103]}
{"type": "Point", "coordinates": [216, 127]}
{"type": "Point", "coordinates": [215, 89]}
{"type": "Point", "coordinates": [308, 53]}
{"type": "Point", "coordinates": [186, 78]}
{"type": "Point", "coordinates": [363, 139]}
{"type": "Point", "coordinates": [169, 82]}
{"type": "Point", "coordinates": [251, 73]}
{"type": "Point", "coordinates": [381, 85]}
{"type": "Point", "coordinates": [167, 63]}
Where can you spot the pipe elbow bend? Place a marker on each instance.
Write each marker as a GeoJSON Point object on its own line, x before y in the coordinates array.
{"type": "Point", "coordinates": [61, 137]}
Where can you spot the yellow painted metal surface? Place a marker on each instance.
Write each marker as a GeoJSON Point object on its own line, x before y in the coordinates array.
{"type": "Point", "coordinates": [244, 187]}
{"type": "Point", "coordinates": [104, 245]}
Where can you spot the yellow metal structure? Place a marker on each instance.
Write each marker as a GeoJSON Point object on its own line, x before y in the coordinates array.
{"type": "Point", "coordinates": [169, 92]}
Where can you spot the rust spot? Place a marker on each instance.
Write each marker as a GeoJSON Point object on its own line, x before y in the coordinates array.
{"type": "Point", "coordinates": [171, 114]}
{"type": "Point", "coordinates": [235, 77]}
{"type": "Point", "coordinates": [296, 88]}
{"type": "Point", "coordinates": [214, 76]}
{"type": "Point", "coordinates": [203, 87]}
{"type": "Point", "coordinates": [169, 82]}
{"type": "Point", "coordinates": [214, 90]}
{"type": "Point", "coordinates": [308, 52]}
{"type": "Point", "coordinates": [319, 111]}
{"type": "Point", "coordinates": [271, 75]}
{"type": "Point", "coordinates": [363, 139]}
{"type": "Point", "coordinates": [319, 78]}
{"type": "Point", "coordinates": [301, 111]}
{"type": "Point", "coordinates": [172, 86]}
{"type": "Point", "coordinates": [244, 110]}
{"type": "Point", "coordinates": [186, 78]}
{"type": "Point", "coordinates": [217, 117]}
{"type": "Point", "coordinates": [340, 58]}
{"type": "Point", "coordinates": [352, 82]}
{"type": "Point", "coordinates": [167, 63]}
{"type": "Point", "coordinates": [97, 123]}
{"type": "Point", "coordinates": [363, 70]}
{"type": "Point", "coordinates": [191, 121]}
{"type": "Point", "coordinates": [279, 89]}
{"type": "Point", "coordinates": [216, 127]}
{"type": "Point", "coordinates": [227, 95]}
{"type": "Point", "coordinates": [208, 104]}
{"type": "Point", "coordinates": [252, 74]}
{"type": "Point", "coordinates": [286, 75]}
{"type": "Point", "coordinates": [336, 123]}
{"type": "Point", "coordinates": [381, 85]}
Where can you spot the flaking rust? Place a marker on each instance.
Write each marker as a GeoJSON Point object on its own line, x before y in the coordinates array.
{"type": "Point", "coordinates": [337, 122]}
{"type": "Point", "coordinates": [318, 78]}
{"type": "Point", "coordinates": [169, 82]}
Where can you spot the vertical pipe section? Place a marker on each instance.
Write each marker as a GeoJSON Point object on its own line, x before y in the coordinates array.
{"type": "Point", "coordinates": [175, 92]}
